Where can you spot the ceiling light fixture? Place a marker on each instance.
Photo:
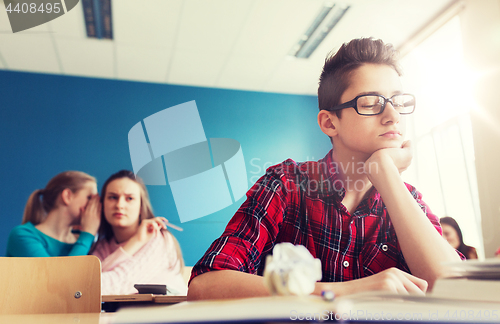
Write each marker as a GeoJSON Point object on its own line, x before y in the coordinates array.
{"type": "Point", "coordinates": [97, 14]}
{"type": "Point", "coordinates": [329, 15]}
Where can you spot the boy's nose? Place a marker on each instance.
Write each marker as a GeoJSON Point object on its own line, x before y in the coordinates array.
{"type": "Point", "coordinates": [390, 114]}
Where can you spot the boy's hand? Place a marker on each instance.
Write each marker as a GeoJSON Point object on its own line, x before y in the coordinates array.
{"type": "Point", "coordinates": [396, 281]}
{"type": "Point", "coordinates": [399, 157]}
{"type": "Point", "coordinates": [390, 280]}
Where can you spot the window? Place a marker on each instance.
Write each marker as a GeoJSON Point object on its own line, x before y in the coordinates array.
{"type": "Point", "coordinates": [443, 165]}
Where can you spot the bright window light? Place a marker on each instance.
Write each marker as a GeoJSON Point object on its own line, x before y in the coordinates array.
{"type": "Point", "coordinates": [443, 167]}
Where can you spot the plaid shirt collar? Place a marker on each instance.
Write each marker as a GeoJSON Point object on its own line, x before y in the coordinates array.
{"type": "Point", "coordinates": [332, 185]}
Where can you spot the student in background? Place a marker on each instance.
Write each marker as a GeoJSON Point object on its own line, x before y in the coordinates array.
{"type": "Point", "coordinates": [69, 199]}
{"type": "Point", "coordinates": [134, 246]}
{"type": "Point", "coordinates": [453, 234]}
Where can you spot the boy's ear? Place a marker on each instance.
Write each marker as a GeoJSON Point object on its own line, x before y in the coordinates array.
{"type": "Point", "coordinates": [327, 122]}
{"type": "Point", "coordinates": [66, 196]}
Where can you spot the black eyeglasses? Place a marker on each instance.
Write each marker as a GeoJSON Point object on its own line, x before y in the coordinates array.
{"type": "Point", "coordinates": [373, 104]}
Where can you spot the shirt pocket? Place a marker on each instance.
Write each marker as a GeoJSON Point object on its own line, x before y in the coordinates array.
{"type": "Point", "coordinates": [377, 257]}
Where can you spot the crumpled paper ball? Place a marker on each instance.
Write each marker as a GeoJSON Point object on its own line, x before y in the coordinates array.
{"type": "Point", "coordinates": [291, 270]}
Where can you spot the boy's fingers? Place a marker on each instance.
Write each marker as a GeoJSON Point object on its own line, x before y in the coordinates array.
{"type": "Point", "coordinates": [414, 284]}
{"type": "Point", "coordinates": [412, 288]}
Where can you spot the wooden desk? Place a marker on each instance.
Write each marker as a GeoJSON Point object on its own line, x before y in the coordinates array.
{"type": "Point", "coordinates": [84, 318]}
{"type": "Point", "coordinates": [127, 298]}
{"type": "Point", "coordinates": [165, 299]}
{"type": "Point", "coordinates": [365, 308]}
{"type": "Point", "coordinates": [111, 303]}
{"type": "Point", "coordinates": [275, 309]}
{"type": "Point", "coordinates": [281, 309]}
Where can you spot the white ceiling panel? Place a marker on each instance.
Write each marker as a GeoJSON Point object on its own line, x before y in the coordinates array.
{"type": "Point", "coordinates": [247, 72]}
{"type": "Point", "coordinates": [212, 25]}
{"type": "Point", "coordinates": [141, 63]}
{"type": "Point", "coordinates": [90, 57]}
{"type": "Point", "coordinates": [151, 23]}
{"type": "Point", "coordinates": [295, 76]}
{"type": "Point", "coordinates": [394, 21]}
{"type": "Point", "coordinates": [198, 68]}
{"type": "Point", "coordinates": [32, 52]}
{"type": "Point", "coordinates": [275, 26]}
{"type": "Point", "coordinates": [233, 44]}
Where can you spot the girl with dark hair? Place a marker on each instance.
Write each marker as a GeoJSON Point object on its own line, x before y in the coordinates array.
{"type": "Point", "coordinates": [51, 214]}
{"type": "Point", "coordinates": [134, 246]}
{"type": "Point", "coordinates": [453, 234]}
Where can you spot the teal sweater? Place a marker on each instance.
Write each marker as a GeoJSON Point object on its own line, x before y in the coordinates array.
{"type": "Point", "coordinates": [27, 241]}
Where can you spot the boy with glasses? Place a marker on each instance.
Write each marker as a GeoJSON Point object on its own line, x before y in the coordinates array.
{"type": "Point", "coordinates": [351, 209]}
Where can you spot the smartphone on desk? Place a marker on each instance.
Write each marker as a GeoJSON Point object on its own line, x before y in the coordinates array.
{"type": "Point", "coordinates": [151, 289]}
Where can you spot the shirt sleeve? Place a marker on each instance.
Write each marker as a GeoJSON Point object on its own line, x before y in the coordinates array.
{"type": "Point", "coordinates": [109, 258]}
{"type": "Point", "coordinates": [82, 245]}
{"type": "Point", "coordinates": [431, 216]}
{"type": "Point", "coordinates": [251, 232]}
{"type": "Point", "coordinates": [425, 208]}
{"type": "Point", "coordinates": [24, 243]}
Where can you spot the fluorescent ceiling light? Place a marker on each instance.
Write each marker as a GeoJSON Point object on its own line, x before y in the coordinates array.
{"type": "Point", "coordinates": [324, 22]}
{"type": "Point", "coordinates": [97, 14]}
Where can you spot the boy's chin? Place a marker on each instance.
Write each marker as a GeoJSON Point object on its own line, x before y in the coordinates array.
{"type": "Point", "coordinates": [395, 145]}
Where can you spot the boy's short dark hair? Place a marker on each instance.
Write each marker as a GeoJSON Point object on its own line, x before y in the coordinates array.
{"type": "Point", "coordinates": [335, 78]}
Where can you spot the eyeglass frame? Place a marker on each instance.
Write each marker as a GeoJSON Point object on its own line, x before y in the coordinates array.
{"type": "Point", "coordinates": [354, 103]}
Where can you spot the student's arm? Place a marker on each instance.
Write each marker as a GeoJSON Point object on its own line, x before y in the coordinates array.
{"type": "Point", "coordinates": [226, 284]}
{"type": "Point", "coordinates": [422, 245]}
{"type": "Point", "coordinates": [82, 245]}
{"type": "Point", "coordinates": [148, 229]}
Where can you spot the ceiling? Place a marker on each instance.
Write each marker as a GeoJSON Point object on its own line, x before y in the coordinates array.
{"type": "Point", "coordinates": [235, 44]}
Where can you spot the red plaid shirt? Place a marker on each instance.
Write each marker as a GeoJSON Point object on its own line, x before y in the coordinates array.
{"type": "Point", "coordinates": [301, 203]}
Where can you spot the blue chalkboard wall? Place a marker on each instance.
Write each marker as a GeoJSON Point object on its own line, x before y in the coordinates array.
{"type": "Point", "coordinates": [52, 123]}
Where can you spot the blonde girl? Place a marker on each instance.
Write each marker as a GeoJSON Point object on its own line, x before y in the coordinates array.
{"type": "Point", "coordinates": [60, 220]}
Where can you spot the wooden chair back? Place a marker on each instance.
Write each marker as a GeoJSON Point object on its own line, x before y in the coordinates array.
{"type": "Point", "coordinates": [50, 285]}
